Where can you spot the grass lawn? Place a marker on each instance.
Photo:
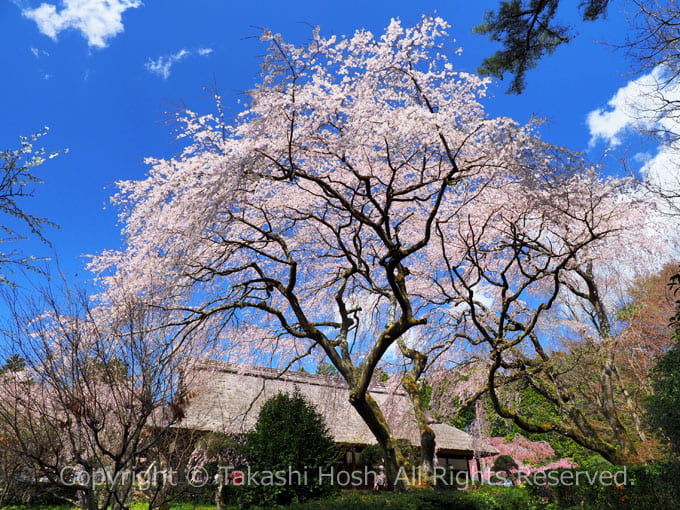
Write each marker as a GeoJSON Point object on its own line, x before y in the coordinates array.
{"type": "Point", "coordinates": [36, 507]}
{"type": "Point", "coordinates": [485, 498]}
{"type": "Point", "coordinates": [177, 506]}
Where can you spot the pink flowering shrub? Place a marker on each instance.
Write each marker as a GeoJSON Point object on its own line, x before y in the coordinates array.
{"type": "Point", "coordinates": [530, 456]}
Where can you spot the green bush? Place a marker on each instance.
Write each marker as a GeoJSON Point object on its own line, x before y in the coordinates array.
{"type": "Point", "coordinates": [373, 455]}
{"type": "Point", "coordinates": [489, 497]}
{"type": "Point", "coordinates": [504, 464]}
{"type": "Point", "coordinates": [289, 436]}
{"type": "Point", "coordinates": [652, 486]}
{"type": "Point", "coordinates": [370, 457]}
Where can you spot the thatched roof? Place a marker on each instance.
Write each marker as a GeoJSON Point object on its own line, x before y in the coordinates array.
{"type": "Point", "coordinates": [227, 398]}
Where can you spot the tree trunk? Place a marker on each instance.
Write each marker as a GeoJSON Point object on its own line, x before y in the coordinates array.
{"type": "Point", "coordinates": [219, 492]}
{"type": "Point", "coordinates": [87, 499]}
{"type": "Point", "coordinates": [632, 408]}
{"type": "Point", "coordinates": [427, 436]}
{"type": "Point", "coordinates": [370, 412]}
{"type": "Point", "coordinates": [121, 490]}
{"type": "Point", "coordinates": [427, 448]}
{"type": "Point", "coordinates": [627, 450]}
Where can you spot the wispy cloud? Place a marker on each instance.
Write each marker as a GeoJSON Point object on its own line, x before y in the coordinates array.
{"type": "Point", "coordinates": [37, 53]}
{"type": "Point", "coordinates": [97, 20]}
{"type": "Point", "coordinates": [162, 66]}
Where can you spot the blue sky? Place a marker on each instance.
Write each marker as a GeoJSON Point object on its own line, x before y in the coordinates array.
{"type": "Point", "coordinates": [104, 79]}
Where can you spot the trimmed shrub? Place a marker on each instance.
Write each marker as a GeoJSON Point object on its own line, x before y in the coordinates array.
{"type": "Point", "coordinates": [290, 437]}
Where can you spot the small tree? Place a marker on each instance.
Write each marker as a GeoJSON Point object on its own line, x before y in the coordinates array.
{"type": "Point", "coordinates": [85, 398]}
{"type": "Point", "coordinates": [505, 464]}
{"type": "Point", "coordinates": [290, 436]}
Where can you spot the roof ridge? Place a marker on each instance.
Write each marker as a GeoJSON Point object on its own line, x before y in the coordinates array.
{"type": "Point", "coordinates": [289, 375]}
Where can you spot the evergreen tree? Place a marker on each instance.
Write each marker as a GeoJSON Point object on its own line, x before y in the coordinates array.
{"type": "Point", "coordinates": [528, 30]}
{"type": "Point", "coordinates": [290, 437]}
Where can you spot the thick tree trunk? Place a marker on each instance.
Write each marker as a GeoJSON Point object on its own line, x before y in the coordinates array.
{"type": "Point", "coordinates": [370, 412]}
{"type": "Point", "coordinates": [427, 445]}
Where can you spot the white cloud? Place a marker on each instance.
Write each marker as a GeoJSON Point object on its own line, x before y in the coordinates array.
{"type": "Point", "coordinates": [639, 106]}
{"type": "Point", "coordinates": [97, 20]}
{"type": "Point", "coordinates": [37, 53]}
{"type": "Point", "coordinates": [634, 106]}
{"type": "Point", "coordinates": [162, 66]}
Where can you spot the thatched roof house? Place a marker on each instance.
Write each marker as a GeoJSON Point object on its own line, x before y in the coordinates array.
{"type": "Point", "coordinates": [228, 397]}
